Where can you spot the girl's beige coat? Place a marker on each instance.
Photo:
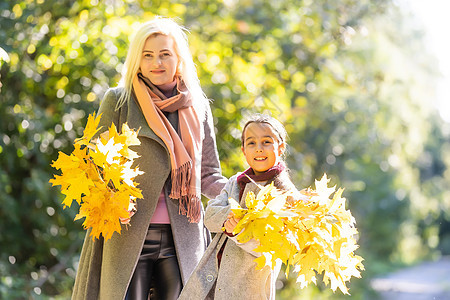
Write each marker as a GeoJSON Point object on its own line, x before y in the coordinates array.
{"type": "Point", "coordinates": [105, 269]}
{"type": "Point", "coordinates": [237, 277]}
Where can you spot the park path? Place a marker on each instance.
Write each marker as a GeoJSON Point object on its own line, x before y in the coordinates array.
{"type": "Point", "coordinates": [426, 281]}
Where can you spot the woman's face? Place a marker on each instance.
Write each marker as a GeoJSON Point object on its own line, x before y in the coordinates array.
{"type": "Point", "coordinates": [159, 60]}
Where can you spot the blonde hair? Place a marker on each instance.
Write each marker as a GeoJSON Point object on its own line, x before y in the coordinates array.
{"type": "Point", "coordinates": [186, 67]}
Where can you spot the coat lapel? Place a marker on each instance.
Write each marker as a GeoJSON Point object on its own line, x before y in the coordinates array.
{"type": "Point", "coordinates": [250, 187]}
{"type": "Point", "coordinates": [138, 121]}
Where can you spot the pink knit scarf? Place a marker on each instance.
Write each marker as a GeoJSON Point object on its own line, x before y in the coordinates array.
{"type": "Point", "coordinates": [184, 149]}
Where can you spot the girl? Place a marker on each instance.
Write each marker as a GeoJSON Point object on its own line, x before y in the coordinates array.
{"type": "Point", "coordinates": [160, 94]}
{"type": "Point", "coordinates": [227, 270]}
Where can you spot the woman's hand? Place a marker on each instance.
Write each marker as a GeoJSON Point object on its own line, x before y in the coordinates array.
{"type": "Point", "coordinates": [131, 211]}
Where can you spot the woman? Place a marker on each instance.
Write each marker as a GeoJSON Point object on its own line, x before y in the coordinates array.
{"type": "Point", "coordinates": [160, 94]}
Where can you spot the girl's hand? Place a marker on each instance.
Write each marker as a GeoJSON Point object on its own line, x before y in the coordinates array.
{"type": "Point", "coordinates": [230, 223]}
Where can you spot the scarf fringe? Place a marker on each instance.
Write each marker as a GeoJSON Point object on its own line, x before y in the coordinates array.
{"type": "Point", "coordinates": [184, 149]}
{"type": "Point", "coordinates": [181, 180]}
{"type": "Point", "coordinates": [191, 207]}
{"type": "Point", "coordinates": [189, 204]}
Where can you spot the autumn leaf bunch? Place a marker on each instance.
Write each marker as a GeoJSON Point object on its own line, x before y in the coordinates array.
{"type": "Point", "coordinates": [99, 176]}
{"type": "Point", "coordinates": [313, 235]}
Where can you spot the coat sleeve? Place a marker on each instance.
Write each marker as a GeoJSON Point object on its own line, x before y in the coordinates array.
{"type": "Point", "coordinates": [108, 111]}
{"type": "Point", "coordinates": [218, 208]}
{"type": "Point", "coordinates": [90, 264]}
{"type": "Point", "coordinates": [248, 246]}
{"type": "Point", "coordinates": [212, 180]}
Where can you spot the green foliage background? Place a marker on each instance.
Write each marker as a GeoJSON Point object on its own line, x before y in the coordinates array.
{"type": "Point", "coordinates": [351, 80]}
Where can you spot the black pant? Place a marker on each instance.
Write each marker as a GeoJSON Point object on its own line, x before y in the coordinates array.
{"type": "Point", "coordinates": [157, 273]}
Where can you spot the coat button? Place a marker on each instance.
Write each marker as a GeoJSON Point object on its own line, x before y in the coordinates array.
{"type": "Point", "coordinates": [209, 278]}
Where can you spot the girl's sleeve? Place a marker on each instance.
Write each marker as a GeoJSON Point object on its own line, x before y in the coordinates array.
{"type": "Point", "coordinates": [211, 178]}
{"type": "Point", "coordinates": [218, 208]}
{"type": "Point", "coordinates": [248, 246]}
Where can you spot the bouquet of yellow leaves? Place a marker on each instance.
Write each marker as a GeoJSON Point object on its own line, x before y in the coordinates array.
{"type": "Point", "coordinates": [314, 235]}
{"type": "Point", "coordinates": [98, 175]}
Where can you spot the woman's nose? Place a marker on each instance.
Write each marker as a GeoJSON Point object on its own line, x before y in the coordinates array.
{"type": "Point", "coordinates": [157, 61]}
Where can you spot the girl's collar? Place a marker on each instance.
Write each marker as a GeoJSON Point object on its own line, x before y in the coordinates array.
{"type": "Point", "coordinates": [249, 175]}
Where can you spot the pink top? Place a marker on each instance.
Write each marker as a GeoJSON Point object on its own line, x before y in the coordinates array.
{"type": "Point", "coordinates": [161, 216]}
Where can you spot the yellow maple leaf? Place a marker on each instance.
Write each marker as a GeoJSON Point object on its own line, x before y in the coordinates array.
{"type": "Point", "coordinates": [113, 173]}
{"type": "Point", "coordinates": [110, 149]}
{"type": "Point", "coordinates": [99, 158]}
{"type": "Point", "coordinates": [90, 130]}
{"type": "Point", "coordinates": [314, 235]}
{"type": "Point", "coordinates": [99, 176]}
{"type": "Point", "coordinates": [237, 210]}
{"type": "Point", "coordinates": [130, 136]}
{"type": "Point", "coordinates": [250, 200]}
{"type": "Point", "coordinates": [65, 161]}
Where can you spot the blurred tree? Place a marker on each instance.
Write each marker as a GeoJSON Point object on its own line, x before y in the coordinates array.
{"type": "Point", "coordinates": [338, 74]}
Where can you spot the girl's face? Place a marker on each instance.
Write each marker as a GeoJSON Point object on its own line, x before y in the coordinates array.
{"type": "Point", "coordinates": [261, 147]}
{"type": "Point", "coordinates": [159, 60]}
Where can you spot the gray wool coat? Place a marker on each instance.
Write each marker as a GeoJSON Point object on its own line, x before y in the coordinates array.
{"type": "Point", "coordinates": [237, 277]}
{"type": "Point", "coordinates": [105, 268]}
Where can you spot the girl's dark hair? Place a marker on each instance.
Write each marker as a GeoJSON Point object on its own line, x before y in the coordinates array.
{"type": "Point", "coordinates": [266, 119]}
